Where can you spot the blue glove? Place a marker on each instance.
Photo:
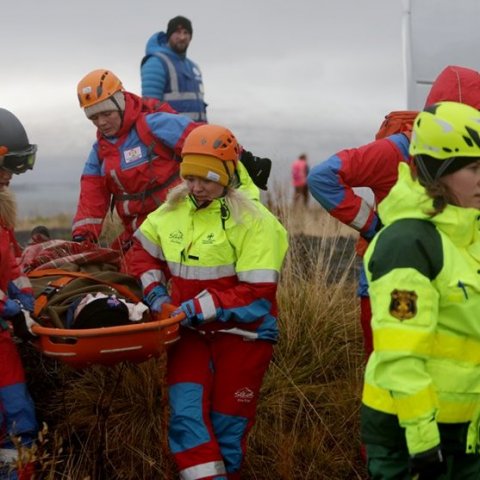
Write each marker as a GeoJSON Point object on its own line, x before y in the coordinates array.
{"type": "Point", "coordinates": [11, 308]}
{"type": "Point", "coordinates": [26, 299]}
{"type": "Point", "coordinates": [194, 316]}
{"type": "Point", "coordinates": [156, 297]}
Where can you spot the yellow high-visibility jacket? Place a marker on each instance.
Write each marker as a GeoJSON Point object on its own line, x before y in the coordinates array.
{"type": "Point", "coordinates": [424, 284]}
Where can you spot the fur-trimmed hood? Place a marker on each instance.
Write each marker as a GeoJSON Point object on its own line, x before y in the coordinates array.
{"type": "Point", "coordinates": [8, 208]}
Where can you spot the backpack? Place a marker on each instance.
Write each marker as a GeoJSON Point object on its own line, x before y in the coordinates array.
{"type": "Point", "coordinates": [399, 121]}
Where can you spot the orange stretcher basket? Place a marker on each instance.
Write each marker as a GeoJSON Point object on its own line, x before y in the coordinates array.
{"type": "Point", "coordinates": [81, 348]}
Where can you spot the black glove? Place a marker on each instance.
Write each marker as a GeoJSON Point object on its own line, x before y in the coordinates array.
{"type": "Point", "coordinates": [22, 326]}
{"type": "Point", "coordinates": [428, 465]}
{"type": "Point", "coordinates": [258, 168]}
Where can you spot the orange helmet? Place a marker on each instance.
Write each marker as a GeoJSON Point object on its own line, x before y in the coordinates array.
{"type": "Point", "coordinates": [97, 86]}
{"type": "Point", "coordinates": [213, 140]}
{"type": "Point", "coordinates": [211, 152]}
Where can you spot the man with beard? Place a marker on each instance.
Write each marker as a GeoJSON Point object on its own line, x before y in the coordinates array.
{"type": "Point", "coordinates": [167, 74]}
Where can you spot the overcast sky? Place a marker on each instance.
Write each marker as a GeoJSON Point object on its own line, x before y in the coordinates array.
{"type": "Point", "coordinates": [286, 77]}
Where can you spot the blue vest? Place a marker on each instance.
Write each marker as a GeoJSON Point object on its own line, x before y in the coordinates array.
{"type": "Point", "coordinates": [185, 90]}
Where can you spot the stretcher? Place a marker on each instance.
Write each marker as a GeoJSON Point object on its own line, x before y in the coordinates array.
{"type": "Point", "coordinates": [136, 343]}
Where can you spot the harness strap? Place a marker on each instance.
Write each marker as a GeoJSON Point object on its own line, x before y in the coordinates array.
{"type": "Point", "coordinates": [53, 287]}
{"type": "Point", "coordinates": [117, 197]}
{"type": "Point", "coordinates": [67, 276]}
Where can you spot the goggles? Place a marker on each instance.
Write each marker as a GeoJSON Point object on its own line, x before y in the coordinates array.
{"type": "Point", "coordinates": [18, 162]}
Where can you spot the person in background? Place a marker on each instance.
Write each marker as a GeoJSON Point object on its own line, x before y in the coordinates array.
{"type": "Point", "coordinates": [420, 415]}
{"type": "Point", "coordinates": [17, 417]}
{"type": "Point", "coordinates": [299, 180]}
{"type": "Point", "coordinates": [167, 74]}
{"type": "Point", "coordinates": [220, 252]}
{"type": "Point", "coordinates": [375, 165]}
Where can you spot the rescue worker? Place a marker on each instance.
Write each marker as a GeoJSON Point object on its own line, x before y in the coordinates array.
{"type": "Point", "coordinates": [168, 75]}
{"type": "Point", "coordinates": [375, 166]}
{"type": "Point", "coordinates": [136, 158]}
{"type": "Point", "coordinates": [420, 416]}
{"type": "Point", "coordinates": [17, 411]}
{"type": "Point", "coordinates": [221, 253]}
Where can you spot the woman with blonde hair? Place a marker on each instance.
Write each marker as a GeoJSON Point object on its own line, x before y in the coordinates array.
{"type": "Point", "coordinates": [220, 252]}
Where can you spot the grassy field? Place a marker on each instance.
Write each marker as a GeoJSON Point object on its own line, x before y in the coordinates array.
{"type": "Point", "coordinates": [109, 423]}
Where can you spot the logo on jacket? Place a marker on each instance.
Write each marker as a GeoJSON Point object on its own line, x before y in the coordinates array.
{"type": "Point", "coordinates": [176, 236]}
{"type": "Point", "coordinates": [244, 395]}
{"type": "Point", "coordinates": [403, 304]}
{"type": "Point", "coordinates": [132, 154]}
{"type": "Point", "coordinates": [209, 239]}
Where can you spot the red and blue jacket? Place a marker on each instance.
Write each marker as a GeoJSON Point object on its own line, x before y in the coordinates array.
{"type": "Point", "coordinates": [375, 165]}
{"type": "Point", "coordinates": [129, 173]}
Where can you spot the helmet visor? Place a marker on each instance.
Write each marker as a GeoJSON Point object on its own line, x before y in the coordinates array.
{"type": "Point", "coordinates": [19, 162]}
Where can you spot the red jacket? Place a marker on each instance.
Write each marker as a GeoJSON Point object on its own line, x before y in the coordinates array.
{"type": "Point", "coordinates": [132, 175]}
{"type": "Point", "coordinates": [375, 165]}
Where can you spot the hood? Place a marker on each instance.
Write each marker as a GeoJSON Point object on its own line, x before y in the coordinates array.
{"type": "Point", "coordinates": [408, 199]}
{"type": "Point", "coordinates": [155, 42]}
{"type": "Point", "coordinates": [133, 108]}
{"type": "Point", "coordinates": [456, 84]}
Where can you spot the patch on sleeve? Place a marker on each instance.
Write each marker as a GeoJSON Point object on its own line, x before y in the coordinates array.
{"type": "Point", "coordinates": [403, 304]}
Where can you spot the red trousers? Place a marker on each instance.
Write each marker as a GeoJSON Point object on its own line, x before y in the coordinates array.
{"type": "Point", "coordinates": [214, 382]}
{"type": "Point", "coordinates": [366, 321]}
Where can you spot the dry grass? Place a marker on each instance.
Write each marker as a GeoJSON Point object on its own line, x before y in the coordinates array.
{"type": "Point", "coordinates": [109, 423]}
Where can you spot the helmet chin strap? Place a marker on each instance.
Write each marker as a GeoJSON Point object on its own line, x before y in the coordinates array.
{"type": "Point", "coordinates": [426, 174]}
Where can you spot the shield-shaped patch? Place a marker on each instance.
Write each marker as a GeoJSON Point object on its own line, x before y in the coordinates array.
{"type": "Point", "coordinates": [403, 304]}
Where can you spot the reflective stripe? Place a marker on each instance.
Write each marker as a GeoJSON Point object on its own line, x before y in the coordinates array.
{"type": "Point", "coordinates": [87, 221]}
{"type": "Point", "coordinates": [242, 333]}
{"type": "Point", "coordinates": [440, 345]}
{"type": "Point", "coordinates": [22, 282]}
{"type": "Point", "coordinates": [180, 96]}
{"type": "Point", "coordinates": [151, 276]}
{"type": "Point", "coordinates": [259, 276]}
{"type": "Point", "coordinates": [152, 248]}
{"type": "Point", "coordinates": [204, 470]}
{"type": "Point", "coordinates": [171, 71]}
{"type": "Point", "coordinates": [207, 305]}
{"type": "Point", "coordinates": [417, 405]}
{"type": "Point", "coordinates": [188, 272]}
{"type": "Point", "coordinates": [448, 411]}
{"type": "Point", "coordinates": [402, 340]}
{"type": "Point", "coordinates": [362, 216]}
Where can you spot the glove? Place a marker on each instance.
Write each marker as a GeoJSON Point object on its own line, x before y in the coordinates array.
{"type": "Point", "coordinates": [22, 325]}
{"type": "Point", "coordinates": [258, 168]}
{"type": "Point", "coordinates": [427, 465]}
{"type": "Point", "coordinates": [27, 300]}
{"type": "Point", "coordinates": [194, 316]}
{"type": "Point", "coordinates": [156, 297]}
{"type": "Point", "coordinates": [84, 238]}
{"type": "Point", "coordinates": [375, 227]}
{"type": "Point", "coordinates": [188, 309]}
{"type": "Point", "coordinates": [11, 308]}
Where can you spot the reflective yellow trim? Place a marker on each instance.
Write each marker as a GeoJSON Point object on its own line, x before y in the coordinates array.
{"type": "Point", "coordinates": [462, 349]}
{"type": "Point", "coordinates": [402, 340]}
{"type": "Point", "coordinates": [439, 345]}
{"type": "Point", "coordinates": [378, 399]}
{"type": "Point", "coordinates": [448, 412]}
{"type": "Point", "coordinates": [417, 405]}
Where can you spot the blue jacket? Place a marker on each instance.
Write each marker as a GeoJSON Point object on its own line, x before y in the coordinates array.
{"type": "Point", "coordinates": [172, 78]}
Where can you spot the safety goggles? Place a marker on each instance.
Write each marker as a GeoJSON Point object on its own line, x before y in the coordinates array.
{"type": "Point", "coordinates": [18, 162]}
